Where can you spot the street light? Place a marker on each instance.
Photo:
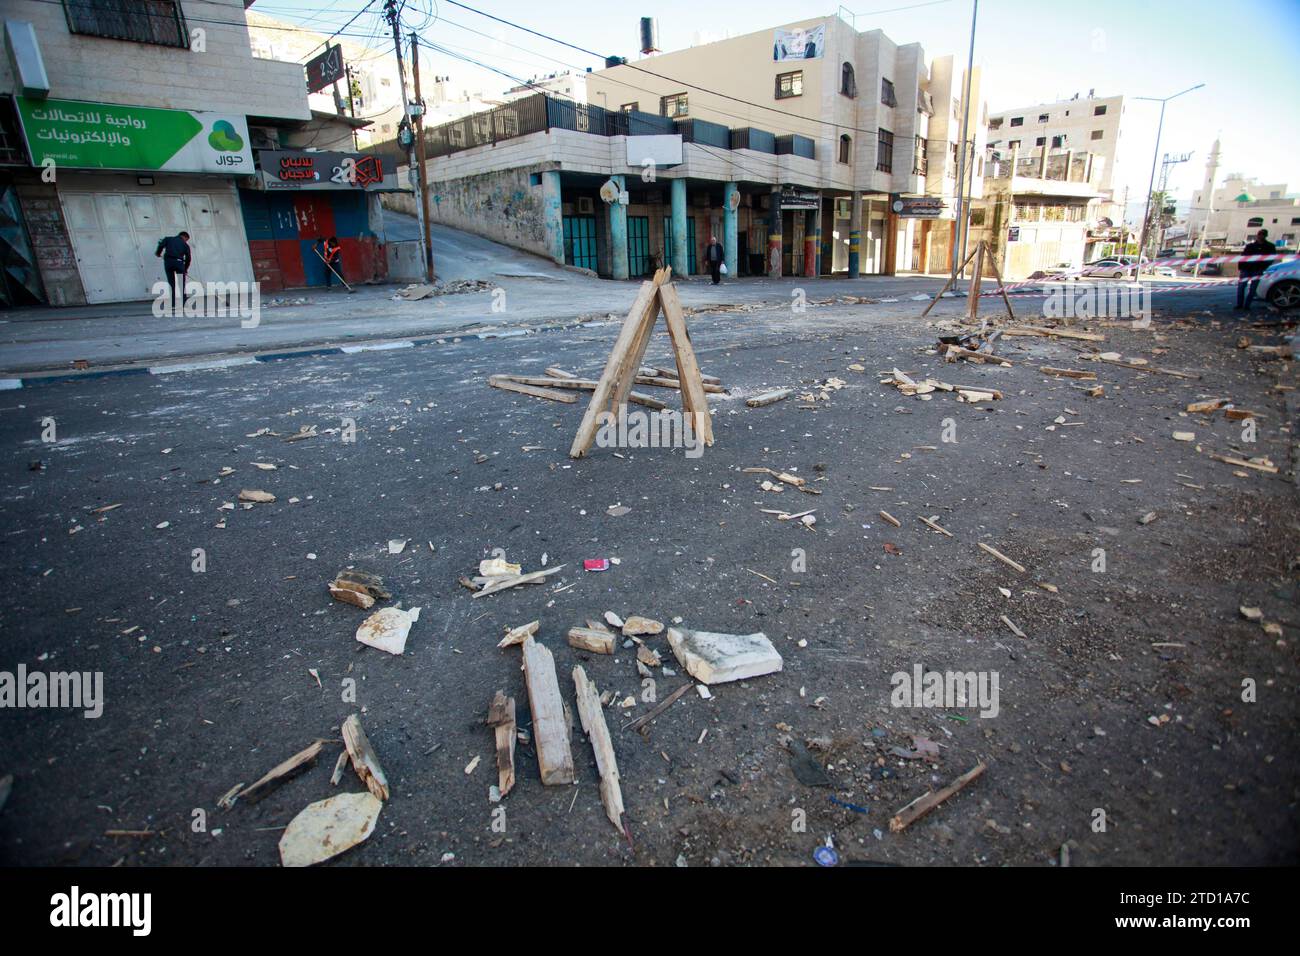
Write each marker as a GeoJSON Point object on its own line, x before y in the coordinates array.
{"type": "Point", "coordinates": [1155, 154]}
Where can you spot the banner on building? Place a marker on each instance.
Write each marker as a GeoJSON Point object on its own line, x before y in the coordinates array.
{"type": "Point", "coordinates": [794, 198]}
{"type": "Point", "coordinates": [82, 135]}
{"type": "Point", "coordinates": [918, 207]}
{"type": "Point", "coordinates": [325, 70]}
{"type": "Point", "coordinates": [296, 169]}
{"type": "Point", "coordinates": [799, 44]}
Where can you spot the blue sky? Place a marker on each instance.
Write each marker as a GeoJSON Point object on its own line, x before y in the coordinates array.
{"type": "Point", "coordinates": [1244, 53]}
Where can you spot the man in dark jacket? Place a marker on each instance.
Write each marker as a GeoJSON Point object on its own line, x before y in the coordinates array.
{"type": "Point", "coordinates": [175, 253]}
{"type": "Point", "coordinates": [1248, 273]}
{"type": "Point", "coordinates": [713, 258]}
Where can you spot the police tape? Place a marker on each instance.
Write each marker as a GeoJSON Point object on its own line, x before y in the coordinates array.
{"type": "Point", "coordinates": [1146, 267]}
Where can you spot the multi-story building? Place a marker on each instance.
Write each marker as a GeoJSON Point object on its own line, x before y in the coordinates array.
{"type": "Point", "coordinates": [795, 147]}
{"type": "Point", "coordinates": [123, 123]}
{"type": "Point", "coordinates": [567, 85]}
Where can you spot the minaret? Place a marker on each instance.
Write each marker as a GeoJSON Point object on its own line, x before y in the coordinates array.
{"type": "Point", "coordinates": [1203, 202]}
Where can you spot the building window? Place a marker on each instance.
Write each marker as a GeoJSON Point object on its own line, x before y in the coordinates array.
{"type": "Point", "coordinates": [1058, 141]}
{"type": "Point", "coordinates": [848, 83]}
{"type": "Point", "coordinates": [1295, 220]}
{"type": "Point", "coordinates": [1040, 141]}
{"type": "Point", "coordinates": [1043, 117]}
{"type": "Point", "coordinates": [846, 148]}
{"type": "Point", "coordinates": [887, 92]}
{"type": "Point", "coordinates": [884, 151]}
{"type": "Point", "coordinates": [789, 84]}
{"type": "Point", "coordinates": [673, 106]}
{"type": "Point", "coordinates": [995, 124]}
{"type": "Point", "coordinates": [630, 108]}
{"type": "Point", "coordinates": [139, 21]}
{"type": "Point", "coordinates": [1255, 222]}
{"type": "Point", "coordinates": [1099, 111]}
{"type": "Point", "coordinates": [1098, 134]}
{"type": "Point", "coordinates": [1014, 144]}
{"type": "Point", "coordinates": [919, 164]}
{"type": "Point", "coordinates": [1017, 121]}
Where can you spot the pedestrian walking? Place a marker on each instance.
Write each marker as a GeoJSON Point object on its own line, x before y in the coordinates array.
{"type": "Point", "coordinates": [713, 258]}
{"type": "Point", "coordinates": [175, 254]}
{"type": "Point", "coordinates": [332, 253]}
{"type": "Point", "coordinates": [1248, 273]}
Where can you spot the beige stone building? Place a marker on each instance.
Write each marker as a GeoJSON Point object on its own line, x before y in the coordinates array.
{"type": "Point", "coordinates": [803, 148]}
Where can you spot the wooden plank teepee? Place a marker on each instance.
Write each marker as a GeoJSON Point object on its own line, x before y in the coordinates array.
{"type": "Point", "coordinates": [628, 353]}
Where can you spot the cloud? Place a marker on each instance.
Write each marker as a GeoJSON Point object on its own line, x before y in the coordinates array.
{"type": "Point", "coordinates": [224, 138]}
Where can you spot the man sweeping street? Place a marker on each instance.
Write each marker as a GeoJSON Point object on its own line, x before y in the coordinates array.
{"type": "Point", "coordinates": [332, 253]}
{"type": "Point", "coordinates": [175, 254]}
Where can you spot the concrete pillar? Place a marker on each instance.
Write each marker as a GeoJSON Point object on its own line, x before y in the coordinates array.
{"type": "Point", "coordinates": [730, 232]}
{"type": "Point", "coordinates": [553, 215]}
{"type": "Point", "coordinates": [812, 239]}
{"type": "Point", "coordinates": [891, 242]}
{"type": "Point", "coordinates": [618, 233]}
{"type": "Point", "coordinates": [774, 233]}
{"type": "Point", "coordinates": [680, 256]}
{"type": "Point", "coordinates": [825, 232]}
{"type": "Point", "coordinates": [855, 235]}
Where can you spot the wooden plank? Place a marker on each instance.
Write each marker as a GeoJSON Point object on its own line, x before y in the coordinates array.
{"type": "Point", "coordinates": [1039, 330]}
{"type": "Point", "coordinates": [589, 639]}
{"type": "Point", "coordinates": [672, 373]}
{"type": "Point", "coordinates": [674, 382]}
{"type": "Point", "coordinates": [1147, 368]}
{"type": "Point", "coordinates": [934, 527]}
{"type": "Point", "coordinates": [1067, 373]}
{"type": "Point", "coordinates": [604, 389]}
{"type": "Point", "coordinates": [581, 384]}
{"type": "Point", "coordinates": [632, 361]}
{"type": "Point", "coordinates": [364, 759]}
{"type": "Point", "coordinates": [559, 373]}
{"type": "Point", "coordinates": [769, 398]}
{"type": "Point", "coordinates": [550, 727]}
{"type": "Point", "coordinates": [688, 369]}
{"type": "Point", "coordinates": [997, 272]}
{"type": "Point", "coordinates": [279, 773]}
{"type": "Point", "coordinates": [592, 718]}
{"type": "Point", "coordinates": [953, 352]}
{"type": "Point", "coordinates": [1002, 557]}
{"type": "Point", "coordinates": [501, 382]}
{"type": "Point", "coordinates": [1268, 469]}
{"type": "Point", "coordinates": [501, 718]}
{"type": "Point", "coordinates": [517, 635]}
{"type": "Point", "coordinates": [924, 804]}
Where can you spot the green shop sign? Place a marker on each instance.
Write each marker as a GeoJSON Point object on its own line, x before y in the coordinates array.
{"type": "Point", "coordinates": [81, 135]}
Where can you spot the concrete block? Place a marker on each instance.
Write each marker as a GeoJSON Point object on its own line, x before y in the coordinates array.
{"type": "Point", "coordinates": [714, 658]}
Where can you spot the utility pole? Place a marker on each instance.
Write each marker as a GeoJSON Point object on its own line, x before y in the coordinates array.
{"type": "Point", "coordinates": [420, 157]}
{"type": "Point", "coordinates": [394, 19]}
{"type": "Point", "coordinates": [959, 250]}
{"type": "Point", "coordinates": [1155, 155]}
{"type": "Point", "coordinates": [1163, 192]}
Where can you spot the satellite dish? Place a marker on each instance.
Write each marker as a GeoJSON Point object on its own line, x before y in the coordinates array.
{"type": "Point", "coordinates": [609, 192]}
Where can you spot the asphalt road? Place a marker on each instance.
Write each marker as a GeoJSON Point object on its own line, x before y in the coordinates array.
{"type": "Point", "coordinates": [1124, 695]}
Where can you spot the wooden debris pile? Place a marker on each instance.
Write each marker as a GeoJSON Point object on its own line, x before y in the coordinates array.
{"type": "Point", "coordinates": [907, 385]}
{"type": "Point", "coordinates": [497, 574]}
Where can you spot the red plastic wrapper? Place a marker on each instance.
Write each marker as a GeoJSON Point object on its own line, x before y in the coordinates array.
{"type": "Point", "coordinates": [596, 564]}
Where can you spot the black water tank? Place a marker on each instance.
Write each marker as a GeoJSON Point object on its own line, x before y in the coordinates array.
{"type": "Point", "coordinates": [649, 35]}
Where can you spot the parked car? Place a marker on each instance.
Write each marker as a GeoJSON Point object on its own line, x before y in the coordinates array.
{"type": "Point", "coordinates": [1207, 268]}
{"type": "Point", "coordinates": [1280, 285]}
{"type": "Point", "coordinates": [1112, 268]}
{"type": "Point", "coordinates": [1166, 272]}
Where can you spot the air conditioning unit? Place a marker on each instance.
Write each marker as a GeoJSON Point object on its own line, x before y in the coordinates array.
{"type": "Point", "coordinates": [586, 206]}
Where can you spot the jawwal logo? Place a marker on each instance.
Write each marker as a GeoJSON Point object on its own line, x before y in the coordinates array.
{"type": "Point", "coordinates": [224, 139]}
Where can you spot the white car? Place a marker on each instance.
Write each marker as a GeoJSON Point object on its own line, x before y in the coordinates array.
{"type": "Point", "coordinates": [1280, 285]}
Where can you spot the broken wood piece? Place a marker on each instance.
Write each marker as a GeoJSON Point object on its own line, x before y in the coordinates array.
{"type": "Point", "coordinates": [589, 639]}
{"type": "Point", "coordinates": [1014, 630]}
{"type": "Point", "coordinates": [502, 584]}
{"type": "Point", "coordinates": [592, 717]}
{"type": "Point", "coordinates": [581, 384]}
{"type": "Point", "coordinates": [930, 523]}
{"type": "Point", "coordinates": [550, 394]}
{"type": "Point", "coordinates": [278, 774]}
{"type": "Point", "coordinates": [1209, 405]}
{"type": "Point", "coordinates": [350, 596]}
{"type": "Point", "coordinates": [519, 634]}
{"type": "Point", "coordinates": [550, 724]}
{"type": "Point", "coordinates": [924, 804]}
{"type": "Point", "coordinates": [953, 352]}
{"type": "Point", "coordinates": [1068, 373]}
{"type": "Point", "coordinates": [714, 658]}
{"type": "Point", "coordinates": [769, 398]}
{"type": "Point", "coordinates": [637, 626]}
{"type": "Point", "coordinates": [501, 718]}
{"type": "Point", "coordinates": [658, 708]}
{"type": "Point", "coordinates": [1039, 330]}
{"type": "Point", "coordinates": [891, 519]}
{"type": "Point", "coordinates": [1002, 557]}
{"type": "Point", "coordinates": [1262, 464]}
{"type": "Point", "coordinates": [364, 759]}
